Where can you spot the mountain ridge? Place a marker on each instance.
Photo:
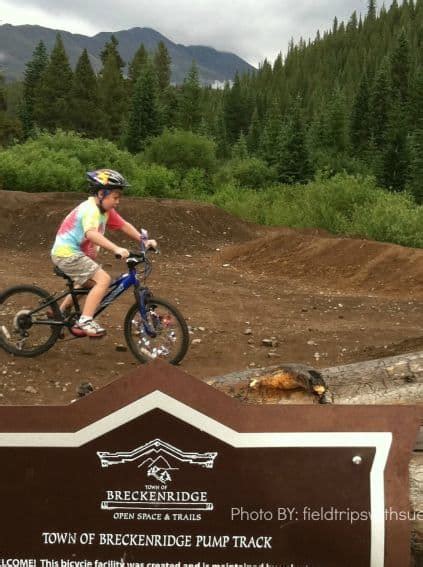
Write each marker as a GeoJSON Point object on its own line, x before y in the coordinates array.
{"type": "Point", "coordinates": [18, 42]}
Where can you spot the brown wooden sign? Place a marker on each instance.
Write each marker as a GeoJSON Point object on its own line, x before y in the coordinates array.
{"type": "Point", "coordinates": [159, 469]}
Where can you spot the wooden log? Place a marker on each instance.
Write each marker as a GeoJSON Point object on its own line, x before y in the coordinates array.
{"type": "Point", "coordinates": [393, 380]}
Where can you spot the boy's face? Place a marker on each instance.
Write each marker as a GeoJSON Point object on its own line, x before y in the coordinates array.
{"type": "Point", "coordinates": [112, 199]}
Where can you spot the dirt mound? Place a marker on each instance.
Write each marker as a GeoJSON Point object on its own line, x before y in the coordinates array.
{"type": "Point", "coordinates": [30, 220]}
{"type": "Point", "coordinates": [315, 257]}
{"type": "Point", "coordinates": [333, 262]}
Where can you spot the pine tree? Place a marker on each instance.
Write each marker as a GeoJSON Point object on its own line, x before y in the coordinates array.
{"type": "Point", "coordinates": [144, 120]}
{"type": "Point", "coordinates": [254, 133]}
{"type": "Point", "coordinates": [139, 60]}
{"type": "Point", "coordinates": [9, 127]}
{"type": "Point", "coordinates": [169, 108]}
{"type": "Point", "coordinates": [112, 97]}
{"type": "Point", "coordinates": [240, 149]}
{"type": "Point", "coordinates": [52, 94]}
{"type": "Point", "coordinates": [416, 163]}
{"type": "Point", "coordinates": [293, 164]}
{"type": "Point", "coordinates": [86, 115]}
{"type": "Point", "coordinates": [112, 46]}
{"type": "Point", "coordinates": [416, 102]}
{"type": "Point", "coordinates": [189, 104]}
{"type": "Point", "coordinates": [270, 135]}
{"type": "Point", "coordinates": [394, 162]}
{"type": "Point", "coordinates": [360, 132]}
{"type": "Point", "coordinates": [220, 136]}
{"type": "Point", "coordinates": [3, 98]}
{"type": "Point", "coordinates": [162, 62]}
{"type": "Point", "coordinates": [380, 104]}
{"type": "Point", "coordinates": [336, 122]}
{"type": "Point", "coordinates": [335, 26]}
{"type": "Point", "coordinates": [371, 10]}
{"type": "Point", "coordinates": [237, 117]}
{"type": "Point", "coordinates": [400, 69]}
{"type": "Point", "coordinates": [33, 72]}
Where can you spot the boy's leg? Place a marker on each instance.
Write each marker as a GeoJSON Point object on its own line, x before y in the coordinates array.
{"type": "Point", "coordinates": [86, 324]}
{"type": "Point", "coordinates": [102, 282]}
{"type": "Point", "coordinates": [68, 301]}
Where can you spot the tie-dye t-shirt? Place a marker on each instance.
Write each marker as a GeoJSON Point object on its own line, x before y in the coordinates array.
{"type": "Point", "coordinates": [70, 238]}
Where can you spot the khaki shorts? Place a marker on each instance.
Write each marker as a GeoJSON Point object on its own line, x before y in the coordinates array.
{"type": "Point", "coordinates": [79, 267]}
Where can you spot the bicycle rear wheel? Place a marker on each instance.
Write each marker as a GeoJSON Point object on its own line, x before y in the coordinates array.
{"type": "Point", "coordinates": [24, 316]}
{"type": "Point", "coordinates": [172, 337]}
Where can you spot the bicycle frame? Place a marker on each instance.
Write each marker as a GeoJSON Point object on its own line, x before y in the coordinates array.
{"type": "Point", "coordinates": [118, 287]}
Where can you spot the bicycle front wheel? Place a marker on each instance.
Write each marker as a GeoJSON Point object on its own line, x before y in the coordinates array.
{"type": "Point", "coordinates": [163, 334]}
{"type": "Point", "coordinates": [24, 317]}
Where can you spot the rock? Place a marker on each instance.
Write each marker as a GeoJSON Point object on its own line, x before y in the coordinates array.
{"type": "Point", "coordinates": [202, 329]}
{"type": "Point", "coordinates": [273, 354]}
{"type": "Point", "coordinates": [250, 341]}
{"type": "Point", "coordinates": [121, 348]}
{"type": "Point", "coordinates": [84, 388]}
{"type": "Point", "coordinates": [196, 341]}
{"type": "Point", "coordinates": [30, 390]}
{"type": "Point", "coordinates": [270, 342]}
{"type": "Point", "coordinates": [311, 343]}
{"type": "Point", "coordinates": [248, 332]}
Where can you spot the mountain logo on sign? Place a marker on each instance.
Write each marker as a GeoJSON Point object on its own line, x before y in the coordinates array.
{"type": "Point", "coordinates": [155, 456]}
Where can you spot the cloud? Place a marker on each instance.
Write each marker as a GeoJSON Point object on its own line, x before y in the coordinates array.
{"type": "Point", "coordinates": [254, 30]}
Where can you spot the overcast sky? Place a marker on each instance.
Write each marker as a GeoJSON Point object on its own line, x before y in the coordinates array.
{"type": "Point", "coordinates": [253, 29]}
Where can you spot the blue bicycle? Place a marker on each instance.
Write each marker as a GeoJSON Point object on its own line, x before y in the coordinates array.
{"type": "Point", "coordinates": [31, 321]}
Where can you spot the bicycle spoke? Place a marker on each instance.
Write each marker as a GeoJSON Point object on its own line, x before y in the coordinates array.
{"type": "Point", "coordinates": [158, 336]}
{"type": "Point", "coordinates": [24, 317]}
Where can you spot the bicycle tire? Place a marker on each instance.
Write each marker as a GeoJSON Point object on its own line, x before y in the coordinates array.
{"type": "Point", "coordinates": [39, 294]}
{"type": "Point", "coordinates": [133, 311]}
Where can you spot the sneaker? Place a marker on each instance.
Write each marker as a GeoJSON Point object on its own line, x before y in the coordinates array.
{"type": "Point", "coordinates": [88, 328]}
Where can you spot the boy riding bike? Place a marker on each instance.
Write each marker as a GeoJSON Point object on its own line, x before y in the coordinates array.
{"type": "Point", "coordinates": [79, 238]}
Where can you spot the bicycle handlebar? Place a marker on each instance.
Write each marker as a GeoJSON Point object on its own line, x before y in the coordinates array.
{"type": "Point", "coordinates": [139, 255]}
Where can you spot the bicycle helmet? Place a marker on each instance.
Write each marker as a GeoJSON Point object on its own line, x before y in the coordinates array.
{"type": "Point", "coordinates": [106, 179]}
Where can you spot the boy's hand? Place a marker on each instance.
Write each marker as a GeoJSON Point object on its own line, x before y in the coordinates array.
{"type": "Point", "coordinates": [151, 244]}
{"type": "Point", "coordinates": [122, 252]}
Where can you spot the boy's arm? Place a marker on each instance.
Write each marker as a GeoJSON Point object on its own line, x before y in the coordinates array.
{"type": "Point", "coordinates": [135, 234]}
{"type": "Point", "coordinates": [131, 231]}
{"type": "Point", "coordinates": [100, 240]}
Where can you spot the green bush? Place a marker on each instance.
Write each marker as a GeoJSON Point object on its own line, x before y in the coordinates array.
{"type": "Point", "coordinates": [253, 173]}
{"type": "Point", "coordinates": [353, 206]}
{"type": "Point", "coordinates": [155, 181]}
{"type": "Point", "coordinates": [58, 162]}
{"type": "Point", "coordinates": [342, 203]}
{"type": "Point", "coordinates": [195, 184]}
{"type": "Point", "coordinates": [182, 150]}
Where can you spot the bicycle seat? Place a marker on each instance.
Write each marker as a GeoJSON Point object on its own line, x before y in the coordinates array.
{"type": "Point", "coordinates": [61, 274]}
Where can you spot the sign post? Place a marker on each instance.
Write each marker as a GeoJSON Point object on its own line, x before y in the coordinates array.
{"type": "Point", "coordinates": [160, 469]}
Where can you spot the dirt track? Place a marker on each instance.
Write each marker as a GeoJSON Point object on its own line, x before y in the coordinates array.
{"type": "Point", "coordinates": [327, 300]}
